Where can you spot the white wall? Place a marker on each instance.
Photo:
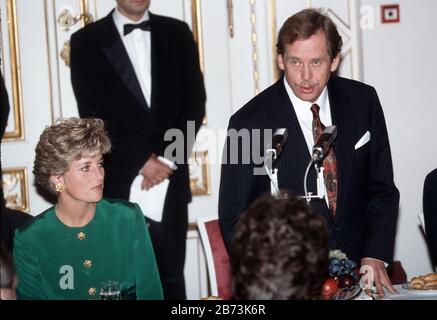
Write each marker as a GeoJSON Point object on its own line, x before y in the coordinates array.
{"type": "Point", "coordinates": [400, 61]}
{"type": "Point", "coordinates": [35, 90]}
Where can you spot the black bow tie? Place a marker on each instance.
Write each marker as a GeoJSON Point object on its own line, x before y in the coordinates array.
{"type": "Point", "coordinates": [128, 28]}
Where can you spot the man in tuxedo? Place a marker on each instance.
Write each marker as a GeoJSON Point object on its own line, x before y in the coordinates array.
{"type": "Point", "coordinates": [430, 212]}
{"type": "Point", "coordinates": [4, 110]}
{"type": "Point", "coordinates": [140, 73]}
{"type": "Point", "coordinates": [10, 219]}
{"type": "Point", "coordinates": [4, 113]}
{"type": "Point", "coordinates": [362, 200]}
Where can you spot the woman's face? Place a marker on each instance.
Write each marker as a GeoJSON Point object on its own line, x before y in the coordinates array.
{"type": "Point", "coordinates": [84, 180]}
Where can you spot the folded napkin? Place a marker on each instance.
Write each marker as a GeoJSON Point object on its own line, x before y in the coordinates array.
{"type": "Point", "coordinates": [151, 201]}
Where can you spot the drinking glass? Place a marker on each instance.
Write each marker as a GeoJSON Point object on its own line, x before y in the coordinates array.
{"type": "Point", "coordinates": [110, 290]}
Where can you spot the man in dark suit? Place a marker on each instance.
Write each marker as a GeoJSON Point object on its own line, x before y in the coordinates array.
{"type": "Point", "coordinates": [4, 113]}
{"type": "Point", "coordinates": [362, 218]}
{"type": "Point", "coordinates": [140, 73]}
{"type": "Point", "coordinates": [430, 212]}
{"type": "Point", "coordinates": [4, 109]}
{"type": "Point", "coordinates": [10, 219]}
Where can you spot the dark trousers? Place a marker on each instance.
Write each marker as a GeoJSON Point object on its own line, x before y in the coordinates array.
{"type": "Point", "coordinates": [169, 243]}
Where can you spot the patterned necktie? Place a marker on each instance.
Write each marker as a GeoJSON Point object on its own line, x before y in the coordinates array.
{"type": "Point", "coordinates": [329, 162]}
{"type": "Point", "coordinates": [128, 28]}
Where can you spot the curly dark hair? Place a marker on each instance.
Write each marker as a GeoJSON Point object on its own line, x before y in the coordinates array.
{"type": "Point", "coordinates": [280, 251]}
{"type": "Point", "coordinates": [306, 23]}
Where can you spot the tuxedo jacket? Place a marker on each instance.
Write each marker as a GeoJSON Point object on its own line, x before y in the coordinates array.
{"type": "Point", "coordinates": [10, 221]}
{"type": "Point", "coordinates": [430, 212]}
{"type": "Point", "coordinates": [106, 87]}
{"type": "Point", "coordinates": [4, 107]}
{"type": "Point", "coordinates": [367, 204]}
{"type": "Point", "coordinates": [4, 112]}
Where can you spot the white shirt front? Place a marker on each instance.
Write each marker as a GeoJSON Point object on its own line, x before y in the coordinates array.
{"type": "Point", "coordinates": [305, 115]}
{"type": "Point", "coordinates": [305, 118]}
{"type": "Point", "coordinates": [138, 47]}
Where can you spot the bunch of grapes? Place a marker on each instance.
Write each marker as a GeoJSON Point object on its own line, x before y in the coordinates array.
{"type": "Point", "coordinates": [340, 267]}
{"type": "Point", "coordinates": [343, 277]}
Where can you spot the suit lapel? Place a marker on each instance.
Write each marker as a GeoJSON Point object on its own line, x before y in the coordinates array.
{"type": "Point", "coordinates": [116, 53]}
{"type": "Point", "coordinates": [343, 118]}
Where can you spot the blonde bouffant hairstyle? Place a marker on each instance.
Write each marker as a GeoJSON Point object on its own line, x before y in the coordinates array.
{"type": "Point", "coordinates": [67, 140]}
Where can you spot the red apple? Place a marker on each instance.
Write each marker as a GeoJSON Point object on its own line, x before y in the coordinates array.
{"type": "Point", "coordinates": [329, 288]}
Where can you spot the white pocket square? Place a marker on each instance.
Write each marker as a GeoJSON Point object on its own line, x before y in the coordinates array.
{"type": "Point", "coordinates": [364, 139]}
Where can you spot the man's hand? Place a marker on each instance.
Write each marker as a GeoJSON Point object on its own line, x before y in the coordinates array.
{"type": "Point", "coordinates": [154, 172]}
{"type": "Point", "coordinates": [381, 278]}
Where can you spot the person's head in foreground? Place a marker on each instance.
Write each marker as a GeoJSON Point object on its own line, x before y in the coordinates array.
{"type": "Point", "coordinates": [280, 251]}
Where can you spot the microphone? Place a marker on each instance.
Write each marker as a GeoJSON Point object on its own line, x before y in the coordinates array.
{"type": "Point", "coordinates": [272, 153]}
{"type": "Point", "coordinates": [278, 140]}
{"type": "Point", "coordinates": [323, 144]}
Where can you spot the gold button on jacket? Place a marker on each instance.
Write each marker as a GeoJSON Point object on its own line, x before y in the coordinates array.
{"type": "Point", "coordinates": [87, 264]}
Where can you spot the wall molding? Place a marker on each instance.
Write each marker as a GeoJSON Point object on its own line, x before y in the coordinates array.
{"type": "Point", "coordinates": [15, 92]}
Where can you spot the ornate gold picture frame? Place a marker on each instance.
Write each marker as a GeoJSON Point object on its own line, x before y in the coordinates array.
{"type": "Point", "coordinates": [15, 188]}
{"type": "Point", "coordinates": [200, 183]}
{"type": "Point", "coordinates": [196, 23]}
{"type": "Point", "coordinates": [196, 17]}
{"type": "Point", "coordinates": [11, 71]}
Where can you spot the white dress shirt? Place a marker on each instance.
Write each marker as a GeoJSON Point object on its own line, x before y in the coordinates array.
{"type": "Point", "coordinates": [305, 115]}
{"type": "Point", "coordinates": [138, 47]}
{"type": "Point", "coordinates": [305, 118]}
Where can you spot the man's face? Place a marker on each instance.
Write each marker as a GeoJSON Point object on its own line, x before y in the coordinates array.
{"type": "Point", "coordinates": [133, 9]}
{"type": "Point", "coordinates": [307, 66]}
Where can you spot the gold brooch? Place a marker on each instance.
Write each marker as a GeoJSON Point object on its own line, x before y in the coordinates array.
{"type": "Point", "coordinates": [87, 264]}
{"type": "Point", "coordinates": [81, 235]}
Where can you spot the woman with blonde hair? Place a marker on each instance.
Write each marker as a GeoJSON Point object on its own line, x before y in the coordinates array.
{"type": "Point", "coordinates": [70, 249]}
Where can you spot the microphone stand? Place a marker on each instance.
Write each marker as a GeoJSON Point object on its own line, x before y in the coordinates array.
{"type": "Point", "coordinates": [272, 172]}
{"type": "Point", "coordinates": [317, 160]}
{"type": "Point", "coordinates": [320, 150]}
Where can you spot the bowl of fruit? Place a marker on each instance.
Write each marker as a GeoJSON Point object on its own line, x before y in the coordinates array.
{"type": "Point", "coordinates": [343, 280]}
